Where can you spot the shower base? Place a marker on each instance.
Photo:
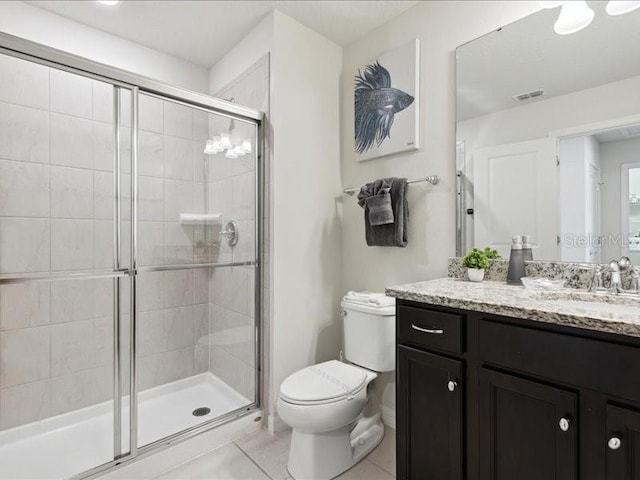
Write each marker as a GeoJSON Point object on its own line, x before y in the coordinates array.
{"type": "Point", "coordinates": [68, 444]}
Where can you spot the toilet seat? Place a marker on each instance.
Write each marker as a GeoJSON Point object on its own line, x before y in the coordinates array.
{"type": "Point", "coordinates": [326, 382]}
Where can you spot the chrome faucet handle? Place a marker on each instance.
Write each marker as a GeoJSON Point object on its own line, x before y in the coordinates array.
{"type": "Point", "coordinates": [635, 280]}
{"type": "Point", "coordinates": [615, 285]}
{"type": "Point", "coordinates": [624, 262]}
{"type": "Point", "coordinates": [230, 233]}
{"type": "Point", "coordinates": [626, 266]}
{"type": "Point", "coordinates": [596, 279]}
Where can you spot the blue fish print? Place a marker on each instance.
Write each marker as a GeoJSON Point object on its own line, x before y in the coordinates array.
{"type": "Point", "coordinates": [376, 104]}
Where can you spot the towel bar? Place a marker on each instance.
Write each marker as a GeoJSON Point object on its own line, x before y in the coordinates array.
{"type": "Point", "coordinates": [432, 179]}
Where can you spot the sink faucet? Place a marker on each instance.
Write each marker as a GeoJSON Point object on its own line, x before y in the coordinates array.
{"type": "Point", "coordinates": [615, 278]}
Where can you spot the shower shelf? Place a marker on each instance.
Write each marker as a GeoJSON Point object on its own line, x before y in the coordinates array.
{"type": "Point", "coordinates": [209, 219]}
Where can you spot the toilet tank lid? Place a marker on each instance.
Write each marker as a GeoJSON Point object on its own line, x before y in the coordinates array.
{"type": "Point", "coordinates": [330, 380]}
{"type": "Point", "coordinates": [368, 302]}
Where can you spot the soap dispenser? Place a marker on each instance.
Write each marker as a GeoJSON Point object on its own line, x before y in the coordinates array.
{"type": "Point", "coordinates": [527, 253]}
{"type": "Point", "coordinates": [516, 262]}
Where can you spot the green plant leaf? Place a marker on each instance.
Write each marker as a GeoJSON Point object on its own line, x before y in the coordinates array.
{"type": "Point", "coordinates": [476, 258]}
{"type": "Point", "coordinates": [491, 253]}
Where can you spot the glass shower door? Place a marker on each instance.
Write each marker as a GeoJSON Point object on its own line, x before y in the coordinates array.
{"type": "Point", "coordinates": [196, 335]}
{"type": "Point", "coordinates": [122, 229]}
{"type": "Point", "coordinates": [59, 279]}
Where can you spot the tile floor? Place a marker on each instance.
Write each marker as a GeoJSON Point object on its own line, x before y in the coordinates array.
{"type": "Point", "coordinates": [261, 456]}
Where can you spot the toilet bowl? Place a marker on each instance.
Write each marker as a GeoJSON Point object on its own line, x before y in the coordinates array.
{"type": "Point", "coordinates": [326, 404]}
{"type": "Point", "coordinates": [322, 403]}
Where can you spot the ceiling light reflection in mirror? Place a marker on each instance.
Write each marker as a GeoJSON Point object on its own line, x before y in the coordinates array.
{"type": "Point", "coordinates": [576, 15]}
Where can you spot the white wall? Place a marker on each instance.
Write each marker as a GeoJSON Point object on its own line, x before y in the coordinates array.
{"type": "Point", "coordinates": [441, 27]}
{"type": "Point", "coordinates": [577, 155]}
{"type": "Point", "coordinates": [593, 253]}
{"type": "Point", "coordinates": [303, 139]}
{"type": "Point", "coordinates": [634, 178]}
{"type": "Point", "coordinates": [612, 156]}
{"type": "Point", "coordinates": [255, 45]}
{"type": "Point", "coordinates": [536, 120]}
{"type": "Point", "coordinates": [307, 243]}
{"type": "Point", "coordinates": [38, 25]}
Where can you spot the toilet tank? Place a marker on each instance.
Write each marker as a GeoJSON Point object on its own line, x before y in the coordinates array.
{"type": "Point", "coordinates": [369, 327]}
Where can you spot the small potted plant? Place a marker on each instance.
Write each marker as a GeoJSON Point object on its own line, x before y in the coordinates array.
{"type": "Point", "coordinates": [476, 262]}
{"type": "Point", "coordinates": [491, 253]}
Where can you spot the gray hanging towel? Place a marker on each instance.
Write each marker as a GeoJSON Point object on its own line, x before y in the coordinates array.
{"type": "Point", "coordinates": [390, 234]}
{"type": "Point", "coordinates": [375, 198]}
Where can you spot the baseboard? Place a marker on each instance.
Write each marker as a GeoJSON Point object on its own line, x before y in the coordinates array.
{"type": "Point", "coordinates": [276, 425]}
{"type": "Point", "coordinates": [389, 416]}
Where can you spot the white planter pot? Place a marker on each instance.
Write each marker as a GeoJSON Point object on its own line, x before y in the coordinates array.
{"type": "Point", "coordinates": [475, 274]}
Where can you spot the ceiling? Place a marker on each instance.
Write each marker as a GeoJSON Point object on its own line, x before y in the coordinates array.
{"type": "Point", "coordinates": [619, 134]}
{"type": "Point", "coordinates": [203, 31]}
{"type": "Point", "coordinates": [528, 55]}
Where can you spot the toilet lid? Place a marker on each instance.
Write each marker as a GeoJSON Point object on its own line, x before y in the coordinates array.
{"type": "Point", "coordinates": [331, 380]}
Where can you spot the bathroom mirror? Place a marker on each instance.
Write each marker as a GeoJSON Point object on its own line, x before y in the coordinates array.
{"type": "Point", "coordinates": [548, 138]}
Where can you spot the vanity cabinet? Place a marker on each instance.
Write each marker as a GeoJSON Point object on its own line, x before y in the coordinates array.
{"type": "Point", "coordinates": [430, 414]}
{"type": "Point", "coordinates": [528, 430]}
{"type": "Point", "coordinates": [486, 397]}
{"type": "Point", "coordinates": [623, 444]}
{"type": "Point", "coordinates": [429, 423]}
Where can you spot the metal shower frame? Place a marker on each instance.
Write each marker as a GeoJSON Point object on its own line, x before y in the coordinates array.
{"type": "Point", "coordinates": [122, 80]}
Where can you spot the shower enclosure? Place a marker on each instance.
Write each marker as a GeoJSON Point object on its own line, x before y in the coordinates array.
{"type": "Point", "coordinates": [129, 263]}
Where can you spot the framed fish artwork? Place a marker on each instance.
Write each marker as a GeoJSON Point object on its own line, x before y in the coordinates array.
{"type": "Point", "coordinates": [386, 104]}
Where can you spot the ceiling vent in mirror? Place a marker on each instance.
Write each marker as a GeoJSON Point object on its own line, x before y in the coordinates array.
{"type": "Point", "coordinates": [521, 97]}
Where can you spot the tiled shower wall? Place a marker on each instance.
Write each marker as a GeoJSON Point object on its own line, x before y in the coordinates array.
{"type": "Point", "coordinates": [173, 305]}
{"type": "Point", "coordinates": [56, 214]}
{"type": "Point", "coordinates": [232, 290]}
{"type": "Point", "coordinates": [55, 209]}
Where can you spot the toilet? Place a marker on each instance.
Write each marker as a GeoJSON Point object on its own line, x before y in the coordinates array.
{"type": "Point", "coordinates": [326, 404]}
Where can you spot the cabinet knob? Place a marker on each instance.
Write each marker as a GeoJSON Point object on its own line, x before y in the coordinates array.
{"type": "Point", "coordinates": [452, 385]}
{"type": "Point", "coordinates": [614, 443]}
{"type": "Point", "coordinates": [564, 424]}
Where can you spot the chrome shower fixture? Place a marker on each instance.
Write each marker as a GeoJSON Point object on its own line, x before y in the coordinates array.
{"type": "Point", "coordinates": [223, 142]}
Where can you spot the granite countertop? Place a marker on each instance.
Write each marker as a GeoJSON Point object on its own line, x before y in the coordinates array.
{"type": "Point", "coordinates": [568, 307]}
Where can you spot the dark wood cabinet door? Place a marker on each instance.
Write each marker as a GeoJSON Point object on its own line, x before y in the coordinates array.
{"type": "Point", "coordinates": [528, 430]}
{"type": "Point", "coordinates": [429, 416]}
{"type": "Point", "coordinates": [623, 443]}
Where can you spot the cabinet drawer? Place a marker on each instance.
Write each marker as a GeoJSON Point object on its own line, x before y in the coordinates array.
{"type": "Point", "coordinates": [430, 328]}
{"type": "Point", "coordinates": [607, 367]}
